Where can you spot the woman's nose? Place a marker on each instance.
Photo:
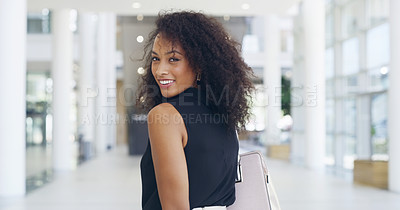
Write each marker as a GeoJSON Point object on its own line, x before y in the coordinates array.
{"type": "Point", "coordinates": [162, 69]}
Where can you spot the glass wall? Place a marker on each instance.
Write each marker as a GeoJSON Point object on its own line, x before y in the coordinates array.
{"type": "Point", "coordinates": [39, 23]}
{"type": "Point", "coordinates": [38, 129]}
{"type": "Point", "coordinates": [38, 96]}
{"type": "Point", "coordinates": [379, 126]}
{"type": "Point", "coordinates": [356, 61]}
{"type": "Point", "coordinates": [39, 120]}
{"type": "Point", "coordinates": [330, 84]}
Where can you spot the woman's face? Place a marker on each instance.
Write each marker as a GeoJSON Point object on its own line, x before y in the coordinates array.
{"type": "Point", "coordinates": [170, 67]}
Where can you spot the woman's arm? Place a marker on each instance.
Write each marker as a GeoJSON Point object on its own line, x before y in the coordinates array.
{"type": "Point", "coordinates": [167, 133]}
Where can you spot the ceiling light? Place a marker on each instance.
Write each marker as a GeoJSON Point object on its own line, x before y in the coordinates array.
{"type": "Point", "coordinates": [136, 5]}
{"type": "Point", "coordinates": [139, 17]}
{"type": "Point", "coordinates": [139, 39]}
{"type": "Point", "coordinates": [384, 70]}
{"type": "Point", "coordinates": [45, 12]}
{"type": "Point", "coordinates": [140, 70]}
{"type": "Point", "coordinates": [245, 6]}
{"type": "Point", "coordinates": [288, 74]}
{"type": "Point", "coordinates": [227, 17]}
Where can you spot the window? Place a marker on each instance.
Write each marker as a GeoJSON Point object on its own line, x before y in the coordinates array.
{"type": "Point", "coordinates": [378, 56]}
{"type": "Point", "coordinates": [330, 132]}
{"type": "Point", "coordinates": [329, 63]}
{"type": "Point", "coordinates": [378, 79]}
{"type": "Point", "coordinates": [378, 50]}
{"type": "Point", "coordinates": [351, 18]}
{"type": "Point", "coordinates": [350, 55]}
{"type": "Point", "coordinates": [349, 128]}
{"type": "Point", "coordinates": [330, 88]}
{"type": "Point", "coordinates": [39, 23]}
{"type": "Point", "coordinates": [377, 11]}
{"type": "Point", "coordinates": [379, 127]}
{"type": "Point", "coordinates": [357, 57]}
{"type": "Point", "coordinates": [329, 29]}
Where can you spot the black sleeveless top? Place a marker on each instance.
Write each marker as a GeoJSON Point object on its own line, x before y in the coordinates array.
{"type": "Point", "coordinates": [211, 155]}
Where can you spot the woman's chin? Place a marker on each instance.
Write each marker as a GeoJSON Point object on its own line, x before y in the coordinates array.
{"type": "Point", "coordinates": [167, 93]}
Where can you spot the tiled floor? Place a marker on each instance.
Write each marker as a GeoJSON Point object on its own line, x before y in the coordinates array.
{"type": "Point", "coordinates": [112, 181]}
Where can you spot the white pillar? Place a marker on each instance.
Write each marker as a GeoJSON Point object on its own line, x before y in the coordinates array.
{"type": "Point", "coordinates": [106, 82]}
{"type": "Point", "coordinates": [12, 92]}
{"type": "Point", "coordinates": [87, 91]}
{"type": "Point", "coordinates": [393, 98]}
{"type": "Point", "coordinates": [297, 143]}
{"type": "Point", "coordinates": [272, 77]}
{"type": "Point", "coordinates": [297, 93]}
{"type": "Point", "coordinates": [112, 78]}
{"type": "Point", "coordinates": [314, 37]}
{"type": "Point", "coordinates": [62, 89]}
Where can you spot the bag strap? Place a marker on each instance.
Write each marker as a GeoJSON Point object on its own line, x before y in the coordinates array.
{"type": "Point", "coordinates": [273, 197]}
{"type": "Point", "coordinates": [239, 166]}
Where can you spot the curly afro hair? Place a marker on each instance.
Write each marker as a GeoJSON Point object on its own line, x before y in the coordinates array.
{"type": "Point", "coordinates": [225, 77]}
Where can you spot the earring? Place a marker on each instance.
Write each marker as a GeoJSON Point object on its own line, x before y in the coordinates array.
{"type": "Point", "coordinates": [198, 79]}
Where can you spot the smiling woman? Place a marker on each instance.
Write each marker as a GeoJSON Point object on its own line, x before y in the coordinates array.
{"type": "Point", "coordinates": [196, 88]}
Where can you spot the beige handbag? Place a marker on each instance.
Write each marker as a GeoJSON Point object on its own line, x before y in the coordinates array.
{"type": "Point", "coordinates": [254, 191]}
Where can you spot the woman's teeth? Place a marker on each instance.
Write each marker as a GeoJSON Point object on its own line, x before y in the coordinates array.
{"type": "Point", "coordinates": [164, 82]}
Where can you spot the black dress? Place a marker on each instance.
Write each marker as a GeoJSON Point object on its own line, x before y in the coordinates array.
{"type": "Point", "coordinates": [211, 155]}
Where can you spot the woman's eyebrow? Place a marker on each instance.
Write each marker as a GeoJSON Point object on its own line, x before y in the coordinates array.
{"type": "Point", "coordinates": [173, 52]}
{"type": "Point", "coordinates": [169, 52]}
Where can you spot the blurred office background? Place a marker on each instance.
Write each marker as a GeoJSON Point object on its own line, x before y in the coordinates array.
{"type": "Point", "coordinates": [325, 111]}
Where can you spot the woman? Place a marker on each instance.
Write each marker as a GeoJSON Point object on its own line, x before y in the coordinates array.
{"type": "Point", "coordinates": [198, 88]}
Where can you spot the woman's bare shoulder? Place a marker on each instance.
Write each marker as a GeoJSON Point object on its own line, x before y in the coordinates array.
{"type": "Point", "coordinates": [162, 111]}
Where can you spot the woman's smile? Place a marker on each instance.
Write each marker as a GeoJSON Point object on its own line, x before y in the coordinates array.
{"type": "Point", "coordinates": [166, 83]}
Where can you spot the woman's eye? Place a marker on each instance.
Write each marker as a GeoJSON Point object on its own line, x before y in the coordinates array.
{"type": "Point", "coordinates": [154, 59]}
{"type": "Point", "coordinates": [173, 59]}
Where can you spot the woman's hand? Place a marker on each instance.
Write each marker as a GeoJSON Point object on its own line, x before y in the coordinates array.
{"type": "Point", "coordinates": [167, 133]}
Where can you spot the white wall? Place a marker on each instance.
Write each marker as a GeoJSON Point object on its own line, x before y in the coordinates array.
{"type": "Point", "coordinates": [39, 48]}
